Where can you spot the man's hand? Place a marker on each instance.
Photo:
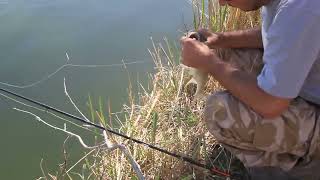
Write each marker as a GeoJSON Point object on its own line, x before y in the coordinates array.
{"type": "Point", "coordinates": [196, 54]}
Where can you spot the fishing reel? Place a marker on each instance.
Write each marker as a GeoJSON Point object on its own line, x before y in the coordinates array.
{"type": "Point", "coordinates": [198, 36]}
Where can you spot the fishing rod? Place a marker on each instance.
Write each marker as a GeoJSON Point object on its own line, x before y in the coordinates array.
{"type": "Point", "coordinates": [213, 170]}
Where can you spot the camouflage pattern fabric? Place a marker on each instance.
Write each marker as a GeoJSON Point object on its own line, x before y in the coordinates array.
{"type": "Point", "coordinates": [284, 142]}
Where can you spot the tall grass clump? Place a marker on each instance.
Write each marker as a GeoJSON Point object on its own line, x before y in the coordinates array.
{"type": "Point", "coordinates": [164, 114]}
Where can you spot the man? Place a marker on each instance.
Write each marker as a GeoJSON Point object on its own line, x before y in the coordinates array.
{"type": "Point", "coordinates": [268, 116]}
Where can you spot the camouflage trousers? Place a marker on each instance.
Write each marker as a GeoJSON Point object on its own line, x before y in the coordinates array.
{"type": "Point", "coordinates": [284, 142]}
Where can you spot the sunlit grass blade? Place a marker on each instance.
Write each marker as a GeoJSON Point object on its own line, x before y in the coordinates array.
{"type": "Point", "coordinates": [101, 113]}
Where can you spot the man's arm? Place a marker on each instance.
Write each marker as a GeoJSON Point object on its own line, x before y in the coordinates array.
{"type": "Point", "coordinates": [250, 38]}
{"type": "Point", "coordinates": [241, 84]}
{"type": "Point", "coordinates": [245, 87]}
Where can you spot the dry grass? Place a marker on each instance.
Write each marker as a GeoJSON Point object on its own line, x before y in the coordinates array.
{"type": "Point", "coordinates": [166, 117]}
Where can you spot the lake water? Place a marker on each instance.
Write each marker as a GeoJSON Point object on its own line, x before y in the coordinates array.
{"type": "Point", "coordinates": [35, 36]}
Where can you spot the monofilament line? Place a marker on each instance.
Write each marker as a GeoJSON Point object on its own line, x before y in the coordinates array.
{"type": "Point", "coordinates": [46, 78]}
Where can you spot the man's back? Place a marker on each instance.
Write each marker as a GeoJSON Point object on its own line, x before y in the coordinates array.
{"type": "Point", "coordinates": [290, 36]}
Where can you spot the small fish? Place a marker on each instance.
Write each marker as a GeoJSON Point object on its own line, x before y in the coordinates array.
{"type": "Point", "coordinates": [199, 77]}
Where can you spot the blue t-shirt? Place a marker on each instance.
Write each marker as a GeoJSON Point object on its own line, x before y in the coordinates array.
{"type": "Point", "coordinates": [291, 40]}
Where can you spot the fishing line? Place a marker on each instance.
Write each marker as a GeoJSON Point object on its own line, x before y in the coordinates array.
{"type": "Point", "coordinates": [213, 170]}
{"type": "Point", "coordinates": [46, 78]}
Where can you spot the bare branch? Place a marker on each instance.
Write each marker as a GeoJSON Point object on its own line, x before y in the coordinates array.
{"type": "Point", "coordinates": [42, 110]}
{"type": "Point", "coordinates": [107, 145]}
{"type": "Point", "coordinates": [60, 129]}
{"type": "Point", "coordinates": [43, 173]}
{"type": "Point", "coordinates": [72, 102]}
{"type": "Point", "coordinates": [125, 151]}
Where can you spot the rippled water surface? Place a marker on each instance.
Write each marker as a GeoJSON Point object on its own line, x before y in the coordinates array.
{"type": "Point", "coordinates": [35, 36]}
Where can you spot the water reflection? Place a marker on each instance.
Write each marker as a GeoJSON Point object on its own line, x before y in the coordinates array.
{"type": "Point", "coordinates": [34, 38]}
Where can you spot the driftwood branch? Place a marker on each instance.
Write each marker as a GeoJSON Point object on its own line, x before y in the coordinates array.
{"type": "Point", "coordinates": [60, 129]}
{"type": "Point", "coordinates": [106, 145]}
{"type": "Point", "coordinates": [127, 153]}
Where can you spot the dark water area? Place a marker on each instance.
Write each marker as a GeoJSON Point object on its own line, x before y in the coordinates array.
{"type": "Point", "coordinates": [35, 36]}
